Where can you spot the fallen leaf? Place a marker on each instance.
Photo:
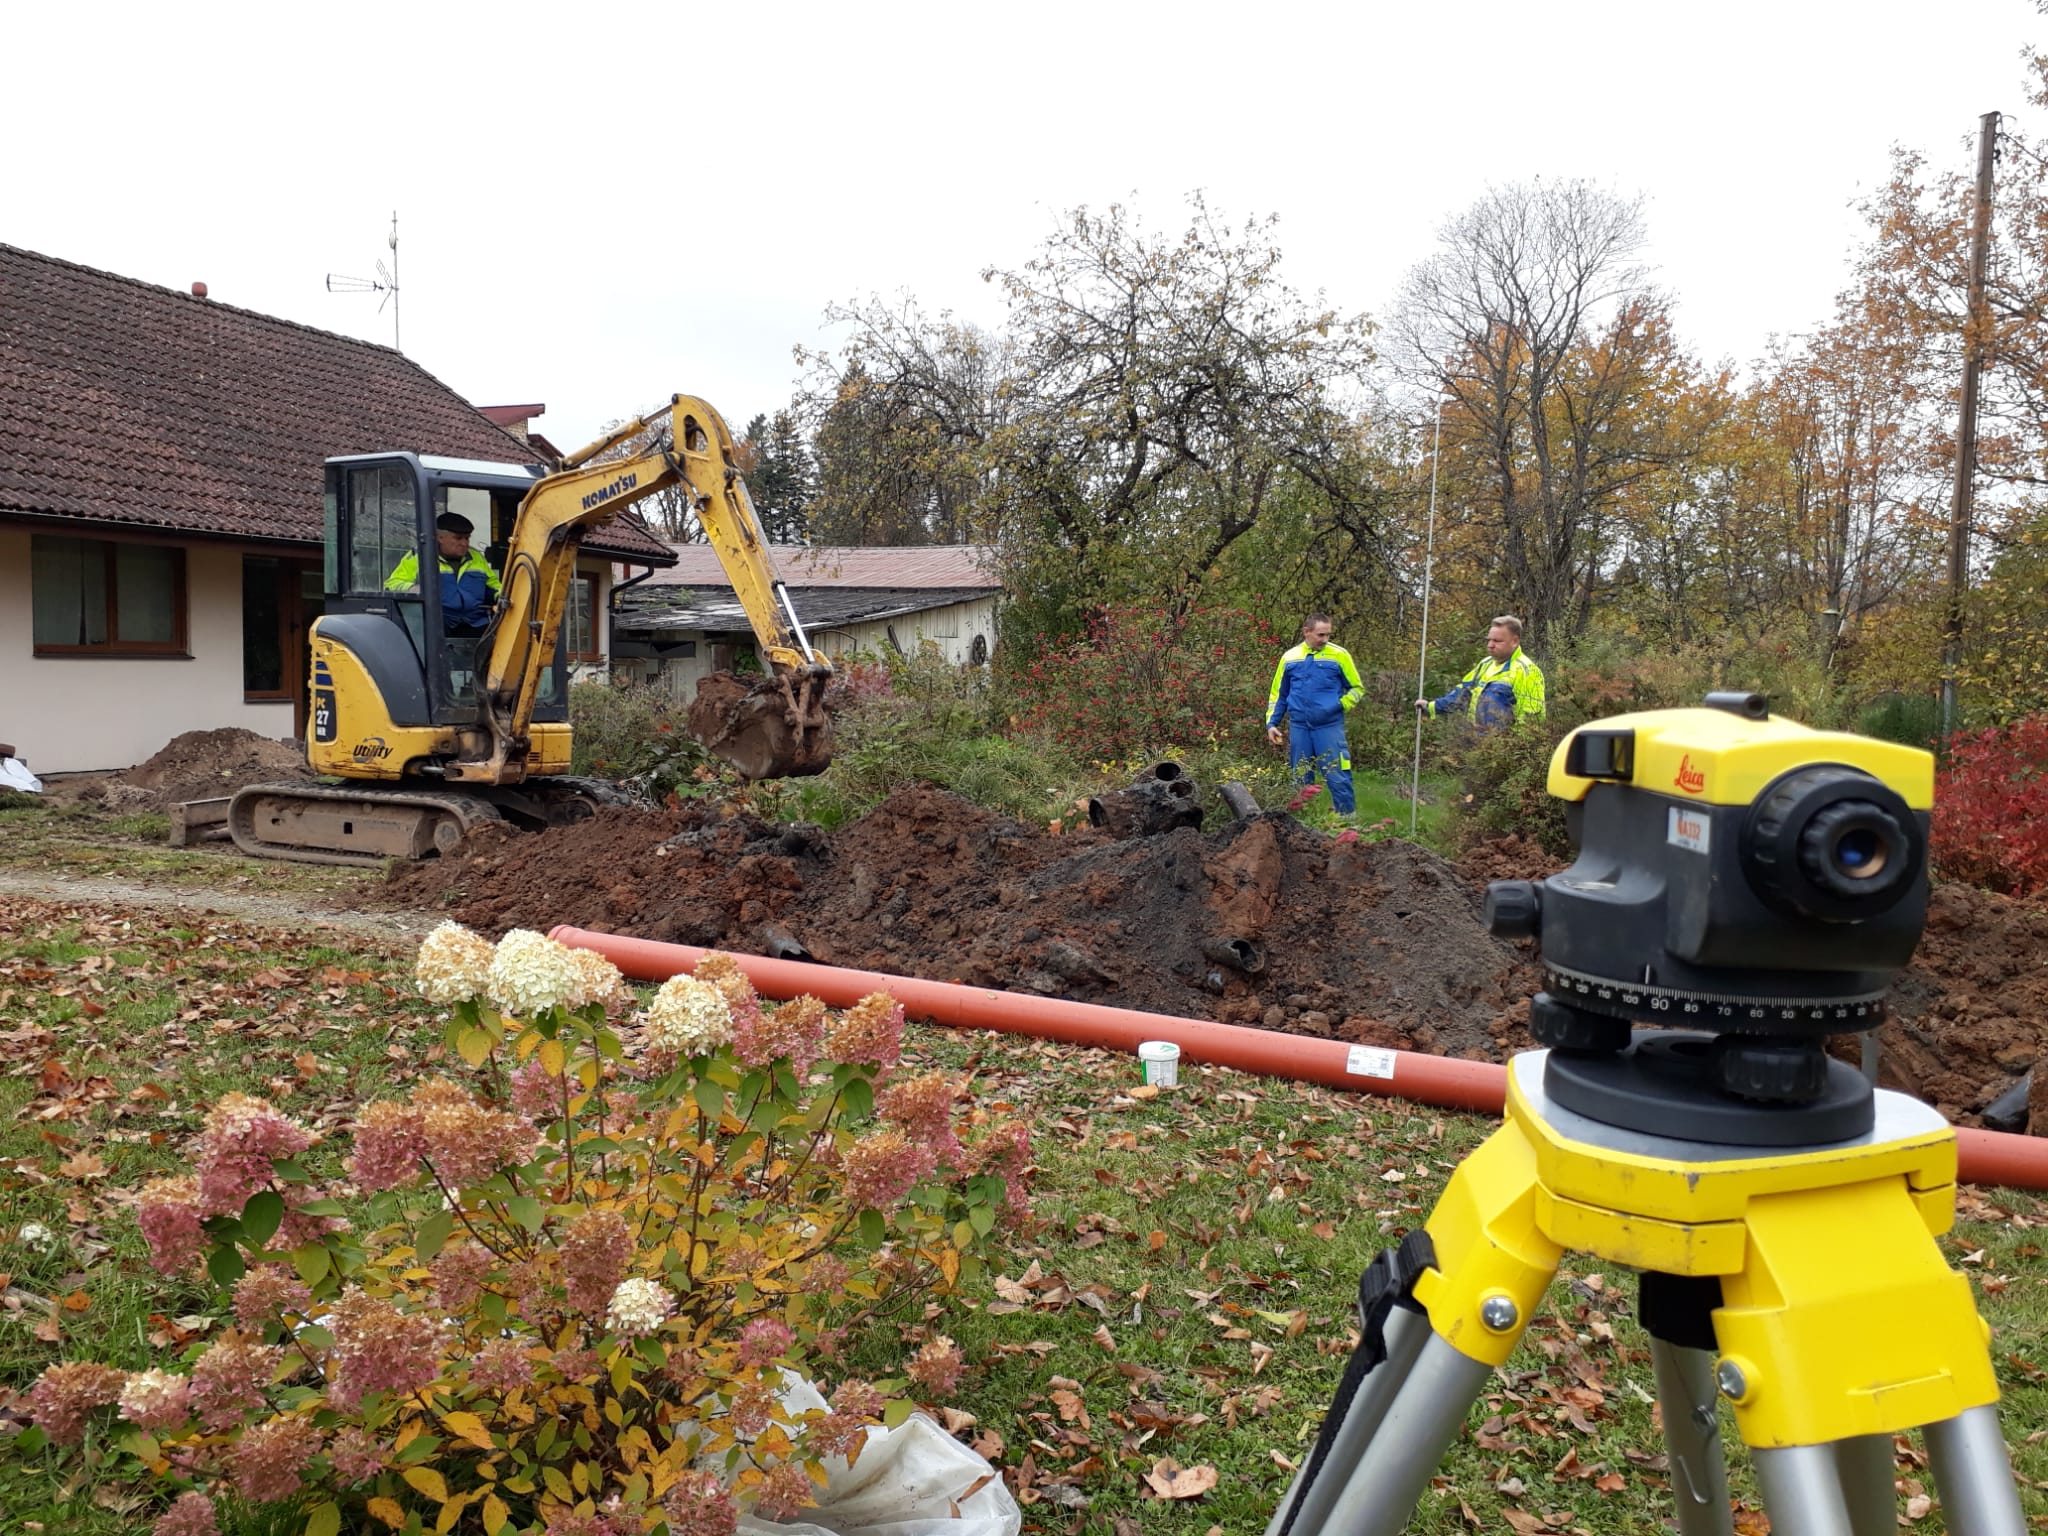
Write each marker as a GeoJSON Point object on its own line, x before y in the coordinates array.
{"type": "Point", "coordinates": [1168, 1479]}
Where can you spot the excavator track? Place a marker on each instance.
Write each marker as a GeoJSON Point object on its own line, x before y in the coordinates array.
{"type": "Point", "coordinates": [360, 824]}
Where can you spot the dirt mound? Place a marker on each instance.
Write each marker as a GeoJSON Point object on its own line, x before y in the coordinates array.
{"type": "Point", "coordinates": [203, 763]}
{"type": "Point", "coordinates": [1377, 943]}
{"type": "Point", "coordinates": [1970, 1015]}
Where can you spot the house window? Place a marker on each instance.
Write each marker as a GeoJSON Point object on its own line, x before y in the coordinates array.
{"type": "Point", "coordinates": [579, 622]}
{"type": "Point", "coordinates": [945, 623]}
{"type": "Point", "coordinates": [95, 597]}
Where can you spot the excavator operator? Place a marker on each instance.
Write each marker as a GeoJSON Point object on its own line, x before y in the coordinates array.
{"type": "Point", "coordinates": [469, 587]}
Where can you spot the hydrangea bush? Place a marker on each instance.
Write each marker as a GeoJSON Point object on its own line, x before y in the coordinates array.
{"type": "Point", "coordinates": [576, 1283]}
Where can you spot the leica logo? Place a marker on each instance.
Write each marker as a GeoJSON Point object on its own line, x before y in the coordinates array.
{"type": "Point", "coordinates": [1689, 779]}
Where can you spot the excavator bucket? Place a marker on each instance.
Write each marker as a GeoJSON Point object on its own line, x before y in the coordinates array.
{"type": "Point", "coordinates": [767, 728]}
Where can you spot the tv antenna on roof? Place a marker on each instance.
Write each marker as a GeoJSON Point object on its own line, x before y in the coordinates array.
{"type": "Point", "coordinates": [385, 282]}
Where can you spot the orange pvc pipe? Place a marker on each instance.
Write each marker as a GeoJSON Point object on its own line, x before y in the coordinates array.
{"type": "Point", "coordinates": [1983, 1157]}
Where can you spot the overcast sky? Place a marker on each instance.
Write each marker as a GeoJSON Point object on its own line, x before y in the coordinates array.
{"type": "Point", "coordinates": [602, 204]}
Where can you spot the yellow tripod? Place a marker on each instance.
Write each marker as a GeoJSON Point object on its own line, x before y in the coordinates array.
{"type": "Point", "coordinates": [1802, 1284]}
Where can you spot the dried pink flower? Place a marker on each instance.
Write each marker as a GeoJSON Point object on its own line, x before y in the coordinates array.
{"type": "Point", "coordinates": [826, 1275]}
{"type": "Point", "coordinates": [378, 1348]}
{"type": "Point", "coordinates": [860, 1399]}
{"type": "Point", "coordinates": [156, 1400]}
{"type": "Point", "coordinates": [752, 1408]}
{"type": "Point", "coordinates": [229, 1380]}
{"type": "Point", "coordinates": [501, 1366]}
{"type": "Point", "coordinates": [64, 1395]}
{"type": "Point", "coordinates": [795, 1031]}
{"type": "Point", "coordinates": [459, 1272]}
{"type": "Point", "coordinates": [356, 1455]}
{"type": "Point", "coordinates": [937, 1366]}
{"type": "Point", "coordinates": [267, 1460]}
{"type": "Point", "coordinates": [923, 1106]}
{"type": "Point", "coordinates": [268, 1294]}
{"type": "Point", "coordinates": [762, 1340]}
{"type": "Point", "coordinates": [465, 1142]}
{"type": "Point", "coordinates": [594, 1253]}
{"type": "Point", "coordinates": [786, 1491]}
{"type": "Point", "coordinates": [836, 1434]}
{"type": "Point", "coordinates": [883, 1166]}
{"type": "Point", "coordinates": [574, 1365]}
{"type": "Point", "coordinates": [537, 1092]}
{"type": "Point", "coordinates": [169, 1215]}
{"type": "Point", "coordinates": [698, 1504]}
{"type": "Point", "coordinates": [240, 1141]}
{"type": "Point", "coordinates": [389, 1143]}
{"type": "Point", "coordinates": [869, 1033]}
{"type": "Point", "coordinates": [191, 1515]}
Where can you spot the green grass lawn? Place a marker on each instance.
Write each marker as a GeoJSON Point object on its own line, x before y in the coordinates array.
{"type": "Point", "coordinates": [1186, 1297]}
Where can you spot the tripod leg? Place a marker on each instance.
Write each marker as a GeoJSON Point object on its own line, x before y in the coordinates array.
{"type": "Point", "coordinates": [1317, 1484]}
{"type": "Point", "coordinates": [1802, 1489]}
{"type": "Point", "coordinates": [1973, 1476]}
{"type": "Point", "coordinates": [1865, 1462]}
{"type": "Point", "coordinates": [1692, 1435]}
{"type": "Point", "coordinates": [1419, 1426]}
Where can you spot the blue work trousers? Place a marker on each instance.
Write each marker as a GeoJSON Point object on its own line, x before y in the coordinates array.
{"type": "Point", "coordinates": [1322, 749]}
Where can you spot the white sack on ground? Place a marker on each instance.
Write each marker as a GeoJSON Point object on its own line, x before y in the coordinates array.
{"type": "Point", "coordinates": [14, 774]}
{"type": "Point", "coordinates": [909, 1481]}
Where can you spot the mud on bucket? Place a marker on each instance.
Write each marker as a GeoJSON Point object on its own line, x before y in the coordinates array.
{"type": "Point", "coordinates": [1161, 1062]}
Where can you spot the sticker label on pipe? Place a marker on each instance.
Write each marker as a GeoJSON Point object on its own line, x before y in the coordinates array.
{"type": "Point", "coordinates": [1369, 1061]}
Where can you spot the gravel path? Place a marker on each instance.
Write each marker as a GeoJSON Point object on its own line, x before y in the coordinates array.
{"type": "Point", "coordinates": [396, 928]}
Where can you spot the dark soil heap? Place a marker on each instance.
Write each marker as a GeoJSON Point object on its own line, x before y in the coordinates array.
{"type": "Point", "coordinates": [1380, 944]}
{"type": "Point", "coordinates": [199, 765]}
{"type": "Point", "coordinates": [1376, 943]}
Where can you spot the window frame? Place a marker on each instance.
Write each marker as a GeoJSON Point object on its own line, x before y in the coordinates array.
{"type": "Point", "coordinates": [591, 583]}
{"type": "Point", "coordinates": [178, 647]}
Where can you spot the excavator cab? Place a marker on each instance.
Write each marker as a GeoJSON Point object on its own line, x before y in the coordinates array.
{"type": "Point", "coordinates": [440, 685]}
{"type": "Point", "coordinates": [395, 655]}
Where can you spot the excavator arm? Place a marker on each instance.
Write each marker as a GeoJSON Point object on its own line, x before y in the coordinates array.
{"type": "Point", "coordinates": [776, 729]}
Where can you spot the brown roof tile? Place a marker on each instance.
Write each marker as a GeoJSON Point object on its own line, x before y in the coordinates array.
{"type": "Point", "coordinates": [124, 402]}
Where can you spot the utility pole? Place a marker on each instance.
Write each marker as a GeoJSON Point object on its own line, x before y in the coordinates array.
{"type": "Point", "coordinates": [1975, 341]}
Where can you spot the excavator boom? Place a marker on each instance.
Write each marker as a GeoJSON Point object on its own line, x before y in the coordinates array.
{"type": "Point", "coordinates": [774, 730]}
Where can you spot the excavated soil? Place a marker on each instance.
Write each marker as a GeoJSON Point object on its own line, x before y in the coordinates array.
{"type": "Point", "coordinates": [1375, 943]}
{"type": "Point", "coordinates": [1380, 944]}
{"type": "Point", "coordinates": [197, 766]}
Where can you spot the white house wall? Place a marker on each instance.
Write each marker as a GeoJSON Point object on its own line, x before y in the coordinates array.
{"type": "Point", "coordinates": [72, 713]}
{"type": "Point", "coordinates": [951, 628]}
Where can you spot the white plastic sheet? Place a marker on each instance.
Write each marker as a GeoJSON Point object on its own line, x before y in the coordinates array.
{"type": "Point", "coordinates": [14, 774]}
{"type": "Point", "coordinates": [913, 1480]}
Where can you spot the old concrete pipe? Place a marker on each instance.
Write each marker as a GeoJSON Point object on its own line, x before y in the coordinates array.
{"type": "Point", "coordinates": [1983, 1157]}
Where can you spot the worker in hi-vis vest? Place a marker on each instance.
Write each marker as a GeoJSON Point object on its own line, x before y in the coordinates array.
{"type": "Point", "coordinates": [469, 587]}
{"type": "Point", "coordinates": [1504, 688]}
{"type": "Point", "coordinates": [1315, 686]}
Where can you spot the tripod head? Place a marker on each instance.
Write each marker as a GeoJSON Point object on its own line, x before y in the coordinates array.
{"type": "Point", "coordinates": [1740, 876]}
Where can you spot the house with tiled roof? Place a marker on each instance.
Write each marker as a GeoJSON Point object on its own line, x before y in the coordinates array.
{"type": "Point", "coordinates": [685, 620]}
{"type": "Point", "coordinates": [161, 526]}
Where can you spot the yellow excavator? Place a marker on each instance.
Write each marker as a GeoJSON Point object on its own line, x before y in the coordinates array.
{"type": "Point", "coordinates": [438, 726]}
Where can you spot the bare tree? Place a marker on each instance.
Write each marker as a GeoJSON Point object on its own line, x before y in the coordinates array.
{"type": "Point", "coordinates": [1537, 320]}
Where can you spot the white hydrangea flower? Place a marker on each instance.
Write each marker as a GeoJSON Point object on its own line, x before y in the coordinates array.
{"type": "Point", "coordinates": [688, 1018]}
{"type": "Point", "coordinates": [454, 965]}
{"type": "Point", "coordinates": [639, 1307]}
{"type": "Point", "coordinates": [531, 973]}
{"type": "Point", "coordinates": [597, 980]}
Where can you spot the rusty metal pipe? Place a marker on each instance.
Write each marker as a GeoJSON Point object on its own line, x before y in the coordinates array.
{"type": "Point", "coordinates": [1239, 954]}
